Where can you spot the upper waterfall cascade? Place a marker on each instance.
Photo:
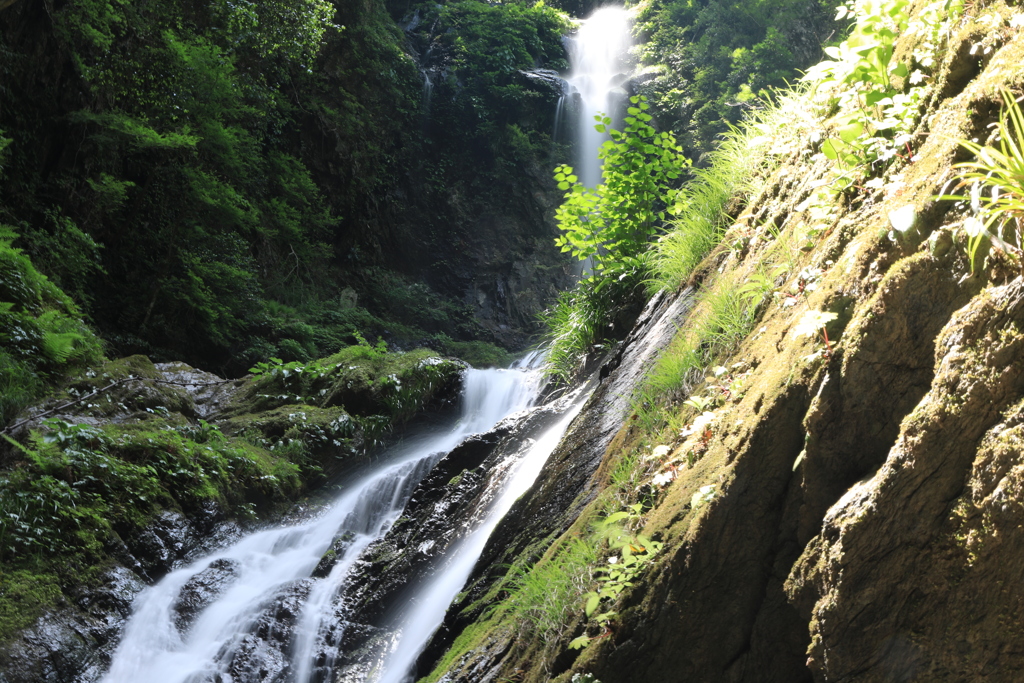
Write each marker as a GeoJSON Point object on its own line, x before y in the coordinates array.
{"type": "Point", "coordinates": [159, 647]}
{"type": "Point", "coordinates": [598, 55]}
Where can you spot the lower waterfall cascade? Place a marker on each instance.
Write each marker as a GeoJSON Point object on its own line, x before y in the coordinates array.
{"type": "Point", "coordinates": [160, 645]}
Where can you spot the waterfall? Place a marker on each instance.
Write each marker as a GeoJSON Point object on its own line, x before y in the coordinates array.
{"type": "Point", "coordinates": [598, 60]}
{"type": "Point", "coordinates": [157, 647]}
{"type": "Point", "coordinates": [416, 627]}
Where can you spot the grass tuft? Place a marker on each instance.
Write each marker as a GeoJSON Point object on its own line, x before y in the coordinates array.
{"type": "Point", "coordinates": [744, 154]}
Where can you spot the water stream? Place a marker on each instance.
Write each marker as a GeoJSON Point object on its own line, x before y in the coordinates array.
{"type": "Point", "coordinates": [428, 609]}
{"type": "Point", "coordinates": [598, 58]}
{"type": "Point", "coordinates": [159, 647]}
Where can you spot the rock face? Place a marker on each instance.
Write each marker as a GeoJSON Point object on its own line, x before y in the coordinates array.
{"type": "Point", "coordinates": [74, 643]}
{"type": "Point", "coordinates": [852, 515]}
{"type": "Point", "coordinates": [916, 560]}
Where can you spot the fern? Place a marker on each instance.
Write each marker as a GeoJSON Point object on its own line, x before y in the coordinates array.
{"type": "Point", "coordinates": [59, 344]}
{"type": "Point", "coordinates": [59, 347]}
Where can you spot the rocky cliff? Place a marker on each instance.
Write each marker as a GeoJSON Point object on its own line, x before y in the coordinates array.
{"type": "Point", "coordinates": [841, 500]}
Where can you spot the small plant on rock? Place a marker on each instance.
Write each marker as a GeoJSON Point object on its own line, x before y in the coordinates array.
{"type": "Point", "coordinates": [812, 324]}
{"type": "Point", "coordinates": [635, 552]}
{"type": "Point", "coordinates": [995, 178]}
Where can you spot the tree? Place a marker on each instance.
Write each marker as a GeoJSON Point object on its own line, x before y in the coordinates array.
{"type": "Point", "coordinates": [613, 223]}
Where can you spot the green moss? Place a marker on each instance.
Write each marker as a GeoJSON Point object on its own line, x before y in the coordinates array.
{"type": "Point", "coordinates": [78, 485]}
{"type": "Point", "coordinates": [364, 380]}
{"type": "Point", "coordinates": [479, 354]}
{"type": "Point", "coordinates": [293, 421]}
{"type": "Point", "coordinates": [24, 597]}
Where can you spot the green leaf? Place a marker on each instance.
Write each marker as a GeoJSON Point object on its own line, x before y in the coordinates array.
{"type": "Point", "coordinates": [851, 131]}
{"type": "Point", "coordinates": [874, 97]}
{"type": "Point", "coordinates": [614, 517]}
{"type": "Point", "coordinates": [579, 643]}
{"type": "Point", "coordinates": [832, 147]}
{"type": "Point", "coordinates": [593, 600]}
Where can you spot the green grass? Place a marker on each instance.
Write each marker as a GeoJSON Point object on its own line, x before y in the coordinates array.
{"type": "Point", "coordinates": [549, 595]}
{"type": "Point", "coordinates": [573, 325]}
{"type": "Point", "coordinates": [723, 316]}
{"type": "Point", "coordinates": [744, 154]}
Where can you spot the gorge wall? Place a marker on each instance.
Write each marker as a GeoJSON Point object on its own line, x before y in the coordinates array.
{"type": "Point", "coordinates": [852, 515]}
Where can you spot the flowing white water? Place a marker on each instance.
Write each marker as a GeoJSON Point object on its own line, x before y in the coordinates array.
{"type": "Point", "coordinates": [155, 651]}
{"type": "Point", "coordinates": [432, 601]}
{"type": "Point", "coordinates": [598, 59]}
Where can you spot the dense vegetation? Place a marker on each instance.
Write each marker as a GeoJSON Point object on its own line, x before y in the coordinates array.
{"type": "Point", "coordinates": [710, 60]}
{"type": "Point", "coordinates": [228, 182]}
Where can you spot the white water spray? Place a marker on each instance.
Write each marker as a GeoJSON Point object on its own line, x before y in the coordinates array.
{"type": "Point", "coordinates": [598, 58]}
{"type": "Point", "coordinates": [155, 651]}
{"type": "Point", "coordinates": [432, 601]}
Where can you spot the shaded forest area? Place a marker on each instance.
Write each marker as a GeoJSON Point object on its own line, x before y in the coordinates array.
{"type": "Point", "coordinates": [229, 182]}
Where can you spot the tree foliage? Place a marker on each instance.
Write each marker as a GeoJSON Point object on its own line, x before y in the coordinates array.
{"type": "Point", "coordinates": [713, 57]}
{"type": "Point", "coordinates": [205, 179]}
{"type": "Point", "coordinates": [614, 222]}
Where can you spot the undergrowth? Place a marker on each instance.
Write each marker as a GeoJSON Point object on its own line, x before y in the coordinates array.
{"type": "Point", "coordinates": [41, 330]}
{"type": "Point", "coordinates": [744, 155]}
{"type": "Point", "coordinates": [582, 317]}
{"type": "Point", "coordinates": [702, 211]}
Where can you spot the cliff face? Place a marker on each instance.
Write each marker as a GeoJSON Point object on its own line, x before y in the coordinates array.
{"type": "Point", "coordinates": [849, 515]}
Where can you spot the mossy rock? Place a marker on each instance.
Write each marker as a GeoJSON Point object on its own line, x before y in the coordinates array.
{"type": "Point", "coordinates": [361, 379]}
{"type": "Point", "coordinates": [315, 426]}
{"type": "Point", "coordinates": [24, 596]}
{"type": "Point", "coordinates": [137, 393]}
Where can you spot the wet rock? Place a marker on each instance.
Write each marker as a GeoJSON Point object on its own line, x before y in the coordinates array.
{"type": "Point", "coordinates": [75, 642]}
{"type": "Point", "coordinates": [209, 393]}
{"type": "Point", "coordinates": [330, 558]}
{"type": "Point", "coordinates": [202, 589]}
{"type": "Point", "coordinates": [548, 78]}
{"type": "Point", "coordinates": [165, 540]}
{"type": "Point", "coordinates": [565, 485]}
{"type": "Point", "coordinates": [261, 655]}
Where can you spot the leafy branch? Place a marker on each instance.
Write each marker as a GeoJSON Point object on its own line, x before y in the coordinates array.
{"type": "Point", "coordinates": [615, 221]}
